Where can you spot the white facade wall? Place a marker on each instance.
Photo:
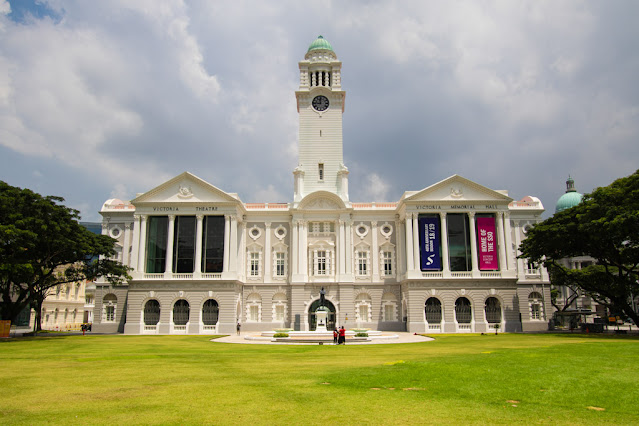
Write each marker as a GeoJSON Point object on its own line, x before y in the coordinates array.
{"type": "Point", "coordinates": [329, 242]}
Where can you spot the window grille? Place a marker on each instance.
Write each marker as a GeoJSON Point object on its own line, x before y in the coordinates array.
{"type": "Point", "coordinates": [463, 312]}
{"type": "Point", "coordinates": [433, 310]}
{"type": "Point", "coordinates": [493, 310]}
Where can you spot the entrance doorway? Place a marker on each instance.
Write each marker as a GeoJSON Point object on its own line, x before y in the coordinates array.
{"type": "Point", "coordinates": [330, 319]}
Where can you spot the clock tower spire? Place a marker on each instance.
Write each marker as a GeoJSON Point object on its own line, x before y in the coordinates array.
{"type": "Point", "coordinates": [320, 105]}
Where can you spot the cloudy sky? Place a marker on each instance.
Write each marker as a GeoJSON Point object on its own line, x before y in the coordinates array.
{"type": "Point", "coordinates": [111, 98]}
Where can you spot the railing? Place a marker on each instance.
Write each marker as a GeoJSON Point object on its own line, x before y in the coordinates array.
{"type": "Point", "coordinates": [464, 327]}
{"type": "Point", "coordinates": [254, 206]}
{"type": "Point", "coordinates": [434, 327]}
{"type": "Point", "coordinates": [495, 274]}
{"type": "Point", "coordinates": [150, 328]}
{"type": "Point", "coordinates": [182, 276]}
{"type": "Point", "coordinates": [461, 274]}
{"type": "Point", "coordinates": [212, 275]}
{"type": "Point", "coordinates": [153, 276]}
{"type": "Point", "coordinates": [432, 274]}
{"type": "Point", "coordinates": [374, 205]}
{"type": "Point", "coordinates": [179, 328]}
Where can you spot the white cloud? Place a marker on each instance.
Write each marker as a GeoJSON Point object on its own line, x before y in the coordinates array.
{"type": "Point", "coordinates": [376, 189]}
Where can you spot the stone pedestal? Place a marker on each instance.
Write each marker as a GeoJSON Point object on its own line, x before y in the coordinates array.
{"type": "Point", "coordinates": [321, 314]}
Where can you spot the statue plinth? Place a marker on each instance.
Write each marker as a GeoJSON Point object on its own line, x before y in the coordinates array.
{"type": "Point", "coordinates": [321, 314]}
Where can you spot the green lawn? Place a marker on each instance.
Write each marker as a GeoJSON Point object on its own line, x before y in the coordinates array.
{"type": "Point", "coordinates": [509, 378]}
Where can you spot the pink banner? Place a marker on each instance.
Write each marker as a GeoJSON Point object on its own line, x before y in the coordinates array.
{"type": "Point", "coordinates": [487, 244]}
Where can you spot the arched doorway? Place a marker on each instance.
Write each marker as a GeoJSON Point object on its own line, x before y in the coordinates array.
{"type": "Point", "coordinates": [312, 319]}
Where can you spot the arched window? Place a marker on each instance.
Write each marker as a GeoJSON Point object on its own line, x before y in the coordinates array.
{"type": "Point", "coordinates": [109, 305]}
{"type": "Point", "coordinates": [210, 312]}
{"type": "Point", "coordinates": [493, 310]}
{"type": "Point", "coordinates": [463, 311]}
{"type": "Point", "coordinates": [181, 310]}
{"type": "Point", "coordinates": [151, 312]}
{"type": "Point", "coordinates": [535, 306]}
{"type": "Point", "coordinates": [433, 310]}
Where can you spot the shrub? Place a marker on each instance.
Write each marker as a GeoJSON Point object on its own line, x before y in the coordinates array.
{"type": "Point", "coordinates": [280, 335]}
{"type": "Point", "coordinates": [361, 334]}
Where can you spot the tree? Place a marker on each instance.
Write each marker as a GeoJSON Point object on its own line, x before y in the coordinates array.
{"type": "Point", "coordinates": [42, 245]}
{"type": "Point", "coordinates": [604, 226]}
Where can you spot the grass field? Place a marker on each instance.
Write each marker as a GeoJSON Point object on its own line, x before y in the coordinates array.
{"type": "Point", "coordinates": [510, 378]}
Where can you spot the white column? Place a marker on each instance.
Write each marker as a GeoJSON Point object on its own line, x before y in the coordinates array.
{"type": "Point", "coordinates": [136, 243]}
{"type": "Point", "coordinates": [502, 249]}
{"type": "Point", "coordinates": [521, 273]}
{"type": "Point", "coordinates": [197, 268]}
{"type": "Point", "coordinates": [342, 248]}
{"type": "Point", "coordinates": [445, 260]}
{"type": "Point", "coordinates": [349, 247]}
{"type": "Point", "coordinates": [509, 241]}
{"type": "Point", "coordinates": [416, 264]}
{"type": "Point", "coordinates": [295, 244]}
{"type": "Point", "coordinates": [126, 259]}
{"type": "Point", "coordinates": [233, 245]}
{"type": "Point", "coordinates": [409, 243]}
{"type": "Point", "coordinates": [142, 252]}
{"type": "Point", "coordinates": [375, 250]}
{"type": "Point", "coordinates": [168, 266]}
{"type": "Point", "coordinates": [227, 240]}
{"type": "Point", "coordinates": [398, 247]}
{"type": "Point", "coordinates": [303, 248]}
{"type": "Point", "coordinates": [268, 261]}
{"type": "Point", "coordinates": [473, 243]}
{"type": "Point", "coordinates": [242, 251]}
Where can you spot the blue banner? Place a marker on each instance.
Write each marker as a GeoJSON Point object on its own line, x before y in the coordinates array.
{"type": "Point", "coordinates": [429, 239]}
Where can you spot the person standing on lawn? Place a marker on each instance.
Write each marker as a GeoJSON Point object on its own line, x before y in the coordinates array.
{"type": "Point", "coordinates": [335, 335]}
{"type": "Point", "coordinates": [342, 336]}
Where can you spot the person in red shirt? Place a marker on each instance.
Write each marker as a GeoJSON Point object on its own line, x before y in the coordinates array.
{"type": "Point", "coordinates": [342, 336]}
{"type": "Point", "coordinates": [335, 335]}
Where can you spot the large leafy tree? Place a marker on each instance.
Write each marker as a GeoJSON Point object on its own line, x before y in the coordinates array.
{"type": "Point", "coordinates": [42, 245]}
{"type": "Point", "coordinates": [605, 226]}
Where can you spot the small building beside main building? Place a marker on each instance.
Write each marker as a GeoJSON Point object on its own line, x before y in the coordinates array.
{"type": "Point", "coordinates": [440, 259]}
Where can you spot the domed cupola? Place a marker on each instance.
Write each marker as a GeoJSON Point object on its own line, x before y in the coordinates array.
{"type": "Point", "coordinates": [570, 199]}
{"type": "Point", "coordinates": [320, 43]}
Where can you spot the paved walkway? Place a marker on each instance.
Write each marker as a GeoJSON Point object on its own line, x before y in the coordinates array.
{"type": "Point", "coordinates": [384, 340]}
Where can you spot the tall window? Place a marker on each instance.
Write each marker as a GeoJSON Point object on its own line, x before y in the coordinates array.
{"type": "Point", "coordinates": [321, 262]}
{"type": "Point", "coordinates": [156, 240]}
{"type": "Point", "coordinates": [255, 264]}
{"type": "Point", "coordinates": [433, 310]}
{"type": "Point", "coordinates": [151, 312]}
{"type": "Point", "coordinates": [459, 242]}
{"type": "Point", "coordinates": [320, 171]}
{"type": "Point", "coordinates": [493, 310]}
{"type": "Point", "coordinates": [389, 312]}
{"type": "Point", "coordinates": [536, 306]}
{"type": "Point", "coordinates": [213, 244]}
{"type": "Point", "coordinates": [181, 311]}
{"type": "Point", "coordinates": [387, 259]}
{"type": "Point", "coordinates": [184, 244]}
{"type": "Point", "coordinates": [254, 313]}
{"type": "Point", "coordinates": [362, 263]}
{"type": "Point", "coordinates": [363, 312]}
{"type": "Point", "coordinates": [463, 311]}
{"type": "Point", "coordinates": [109, 303]}
{"type": "Point", "coordinates": [279, 313]}
{"type": "Point", "coordinates": [210, 312]}
{"type": "Point", "coordinates": [280, 264]}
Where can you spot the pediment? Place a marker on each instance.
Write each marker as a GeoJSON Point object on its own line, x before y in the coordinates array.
{"type": "Point", "coordinates": [322, 200]}
{"type": "Point", "coordinates": [185, 188]}
{"type": "Point", "coordinates": [457, 188]}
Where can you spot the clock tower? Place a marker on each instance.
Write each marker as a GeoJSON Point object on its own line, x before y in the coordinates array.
{"type": "Point", "coordinates": [320, 105]}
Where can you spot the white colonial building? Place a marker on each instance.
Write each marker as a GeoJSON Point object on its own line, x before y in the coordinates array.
{"type": "Point", "coordinates": [440, 259]}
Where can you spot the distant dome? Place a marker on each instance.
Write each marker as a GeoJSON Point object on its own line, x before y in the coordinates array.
{"type": "Point", "coordinates": [320, 43]}
{"type": "Point", "coordinates": [570, 199]}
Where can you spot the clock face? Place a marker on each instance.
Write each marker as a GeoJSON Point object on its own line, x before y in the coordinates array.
{"type": "Point", "coordinates": [320, 103]}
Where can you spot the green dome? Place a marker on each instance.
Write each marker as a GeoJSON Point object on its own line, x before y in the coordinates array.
{"type": "Point", "coordinates": [320, 43]}
{"type": "Point", "coordinates": [568, 200]}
